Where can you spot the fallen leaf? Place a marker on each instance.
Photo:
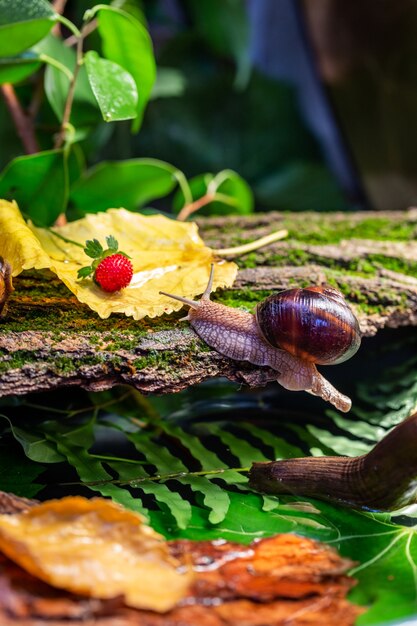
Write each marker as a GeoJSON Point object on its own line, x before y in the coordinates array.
{"type": "Point", "coordinates": [94, 548]}
{"type": "Point", "coordinates": [167, 255]}
{"type": "Point", "coordinates": [284, 579]}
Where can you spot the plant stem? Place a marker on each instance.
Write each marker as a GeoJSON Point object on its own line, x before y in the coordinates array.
{"type": "Point", "coordinates": [72, 40]}
{"type": "Point", "coordinates": [192, 207]}
{"type": "Point", "coordinates": [71, 90]}
{"type": "Point", "coordinates": [177, 475]}
{"type": "Point", "coordinates": [74, 243]}
{"type": "Point", "coordinates": [59, 7]}
{"type": "Point", "coordinates": [252, 245]}
{"type": "Point", "coordinates": [22, 122]}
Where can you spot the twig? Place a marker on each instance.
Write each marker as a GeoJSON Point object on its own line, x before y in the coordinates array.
{"type": "Point", "coordinates": [73, 39]}
{"type": "Point", "coordinates": [59, 7]}
{"type": "Point", "coordinates": [191, 208]}
{"type": "Point", "coordinates": [71, 91]}
{"type": "Point", "coordinates": [22, 122]}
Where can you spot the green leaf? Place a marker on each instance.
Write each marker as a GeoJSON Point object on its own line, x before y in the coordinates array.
{"type": "Point", "coordinates": [34, 444]}
{"type": "Point", "coordinates": [114, 88]}
{"type": "Point", "coordinates": [130, 184]}
{"type": "Point", "coordinates": [112, 243]}
{"type": "Point", "coordinates": [93, 248]}
{"type": "Point", "coordinates": [84, 272]}
{"type": "Point", "coordinates": [73, 444]}
{"type": "Point", "coordinates": [17, 68]}
{"type": "Point", "coordinates": [84, 112]}
{"type": "Point", "coordinates": [23, 23]}
{"type": "Point", "coordinates": [234, 194]}
{"type": "Point", "coordinates": [127, 43]}
{"type": "Point", "coordinates": [39, 184]}
{"type": "Point", "coordinates": [17, 473]}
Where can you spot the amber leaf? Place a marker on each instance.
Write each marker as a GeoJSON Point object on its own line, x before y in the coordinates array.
{"type": "Point", "coordinates": [95, 548]}
{"type": "Point", "coordinates": [167, 255]}
{"type": "Point", "coordinates": [281, 580]}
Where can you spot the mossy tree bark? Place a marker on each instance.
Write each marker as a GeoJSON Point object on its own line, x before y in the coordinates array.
{"type": "Point", "coordinates": [48, 339]}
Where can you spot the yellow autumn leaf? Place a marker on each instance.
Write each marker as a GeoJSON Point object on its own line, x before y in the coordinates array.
{"type": "Point", "coordinates": [167, 255]}
{"type": "Point", "coordinates": [95, 548]}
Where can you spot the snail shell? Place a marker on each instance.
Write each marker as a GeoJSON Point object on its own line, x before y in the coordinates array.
{"type": "Point", "coordinates": [314, 324]}
{"type": "Point", "coordinates": [6, 285]}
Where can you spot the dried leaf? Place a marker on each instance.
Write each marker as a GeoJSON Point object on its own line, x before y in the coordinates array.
{"type": "Point", "coordinates": [301, 582]}
{"type": "Point", "coordinates": [167, 256]}
{"type": "Point", "coordinates": [94, 548]}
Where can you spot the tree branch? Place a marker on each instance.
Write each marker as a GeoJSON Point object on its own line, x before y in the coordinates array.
{"type": "Point", "coordinates": [22, 122]}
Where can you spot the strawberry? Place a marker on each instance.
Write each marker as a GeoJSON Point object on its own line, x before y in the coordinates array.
{"type": "Point", "coordinates": [112, 270]}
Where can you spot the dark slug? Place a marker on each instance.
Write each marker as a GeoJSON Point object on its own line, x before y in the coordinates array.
{"type": "Point", "coordinates": [384, 479]}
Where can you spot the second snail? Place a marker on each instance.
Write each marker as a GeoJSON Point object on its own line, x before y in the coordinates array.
{"type": "Point", "coordinates": [291, 332]}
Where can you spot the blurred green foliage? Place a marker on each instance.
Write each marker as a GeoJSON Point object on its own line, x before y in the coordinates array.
{"type": "Point", "coordinates": [208, 111]}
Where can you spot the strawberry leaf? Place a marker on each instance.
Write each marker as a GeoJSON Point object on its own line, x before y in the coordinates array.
{"type": "Point", "coordinates": [112, 243]}
{"type": "Point", "coordinates": [93, 248]}
{"type": "Point", "coordinates": [84, 272]}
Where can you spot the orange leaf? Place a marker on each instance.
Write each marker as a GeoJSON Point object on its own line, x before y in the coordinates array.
{"type": "Point", "coordinates": [95, 548]}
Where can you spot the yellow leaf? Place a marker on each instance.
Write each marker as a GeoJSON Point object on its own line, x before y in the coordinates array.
{"type": "Point", "coordinates": [167, 255]}
{"type": "Point", "coordinates": [95, 548]}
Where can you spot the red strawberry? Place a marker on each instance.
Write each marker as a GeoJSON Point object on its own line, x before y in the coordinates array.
{"type": "Point", "coordinates": [111, 270]}
{"type": "Point", "coordinates": [114, 272]}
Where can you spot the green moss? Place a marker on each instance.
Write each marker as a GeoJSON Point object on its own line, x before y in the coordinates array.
{"type": "Point", "coordinates": [322, 229]}
{"type": "Point", "coordinates": [244, 299]}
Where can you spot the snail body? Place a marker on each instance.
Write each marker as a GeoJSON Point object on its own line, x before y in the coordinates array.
{"type": "Point", "coordinates": [6, 285]}
{"type": "Point", "coordinates": [282, 342]}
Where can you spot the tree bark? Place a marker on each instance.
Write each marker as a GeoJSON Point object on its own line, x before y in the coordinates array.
{"type": "Point", "coordinates": [48, 339]}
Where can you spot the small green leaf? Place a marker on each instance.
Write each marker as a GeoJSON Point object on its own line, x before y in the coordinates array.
{"type": "Point", "coordinates": [130, 184]}
{"type": "Point", "coordinates": [84, 272]}
{"type": "Point", "coordinates": [114, 88]}
{"type": "Point", "coordinates": [23, 23]}
{"type": "Point", "coordinates": [39, 184]}
{"type": "Point", "coordinates": [127, 42]}
{"type": "Point", "coordinates": [93, 248]}
{"type": "Point", "coordinates": [113, 244]}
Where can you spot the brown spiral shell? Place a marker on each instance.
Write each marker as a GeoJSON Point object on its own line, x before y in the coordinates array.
{"type": "Point", "coordinates": [314, 323]}
{"type": "Point", "coordinates": [6, 285]}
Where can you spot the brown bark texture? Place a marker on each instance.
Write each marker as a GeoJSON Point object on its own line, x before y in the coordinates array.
{"type": "Point", "coordinates": [48, 339]}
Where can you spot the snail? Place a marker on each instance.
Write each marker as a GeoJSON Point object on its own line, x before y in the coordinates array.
{"type": "Point", "coordinates": [6, 285]}
{"type": "Point", "coordinates": [290, 332]}
{"type": "Point", "coordinates": [384, 479]}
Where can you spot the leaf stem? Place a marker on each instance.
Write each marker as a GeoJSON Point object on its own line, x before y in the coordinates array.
{"type": "Point", "coordinates": [66, 239]}
{"type": "Point", "coordinates": [72, 27]}
{"type": "Point", "coordinates": [59, 66]}
{"type": "Point", "coordinates": [192, 207]}
{"type": "Point", "coordinates": [252, 245]}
